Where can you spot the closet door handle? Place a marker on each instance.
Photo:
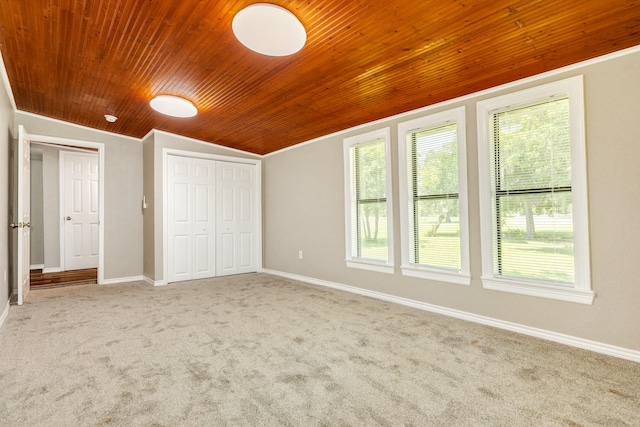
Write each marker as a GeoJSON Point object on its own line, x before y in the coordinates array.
{"type": "Point", "coordinates": [68, 218]}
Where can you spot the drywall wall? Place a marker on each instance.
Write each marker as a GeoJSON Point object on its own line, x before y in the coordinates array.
{"type": "Point", "coordinates": [51, 199]}
{"type": "Point", "coordinates": [36, 245]}
{"type": "Point", "coordinates": [304, 210]}
{"type": "Point", "coordinates": [123, 247]}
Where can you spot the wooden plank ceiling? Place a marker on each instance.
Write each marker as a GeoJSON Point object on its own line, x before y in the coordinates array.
{"type": "Point", "coordinates": [76, 60]}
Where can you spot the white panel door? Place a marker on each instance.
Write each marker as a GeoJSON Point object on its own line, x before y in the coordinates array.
{"type": "Point", "coordinates": [204, 242]}
{"type": "Point", "coordinates": [80, 209]}
{"type": "Point", "coordinates": [236, 218]}
{"type": "Point", "coordinates": [190, 218]}
{"type": "Point", "coordinates": [23, 225]}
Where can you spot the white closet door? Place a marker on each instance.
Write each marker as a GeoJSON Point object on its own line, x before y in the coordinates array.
{"type": "Point", "coordinates": [203, 232]}
{"type": "Point", "coordinates": [236, 219]}
{"type": "Point", "coordinates": [191, 205]}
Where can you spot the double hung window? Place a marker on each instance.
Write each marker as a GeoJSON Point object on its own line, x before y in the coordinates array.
{"type": "Point", "coordinates": [369, 225]}
{"type": "Point", "coordinates": [433, 195]}
{"type": "Point", "coordinates": [533, 192]}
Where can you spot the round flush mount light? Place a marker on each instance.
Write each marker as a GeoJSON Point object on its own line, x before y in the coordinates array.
{"type": "Point", "coordinates": [269, 29]}
{"type": "Point", "coordinates": [110, 118]}
{"type": "Point", "coordinates": [173, 106]}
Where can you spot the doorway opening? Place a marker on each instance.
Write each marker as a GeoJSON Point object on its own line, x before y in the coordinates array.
{"type": "Point", "coordinates": [21, 265]}
{"type": "Point", "coordinates": [64, 215]}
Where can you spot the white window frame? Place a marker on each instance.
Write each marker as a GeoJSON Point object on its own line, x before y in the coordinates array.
{"type": "Point", "coordinates": [462, 276]}
{"type": "Point", "coordinates": [349, 143]}
{"type": "Point", "coordinates": [580, 291]}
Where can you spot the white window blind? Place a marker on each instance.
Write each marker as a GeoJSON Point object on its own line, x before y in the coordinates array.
{"type": "Point", "coordinates": [368, 201]}
{"type": "Point", "coordinates": [369, 221]}
{"type": "Point", "coordinates": [434, 197]}
{"type": "Point", "coordinates": [531, 191]}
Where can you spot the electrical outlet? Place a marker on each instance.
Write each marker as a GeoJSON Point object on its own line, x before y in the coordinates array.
{"type": "Point", "coordinates": [299, 254]}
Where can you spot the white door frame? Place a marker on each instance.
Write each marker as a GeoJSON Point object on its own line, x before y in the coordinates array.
{"type": "Point", "coordinates": [165, 206]}
{"type": "Point", "coordinates": [62, 201]}
{"type": "Point", "coordinates": [67, 143]}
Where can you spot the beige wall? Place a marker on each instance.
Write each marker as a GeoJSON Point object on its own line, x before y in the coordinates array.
{"type": "Point", "coordinates": [123, 249]}
{"type": "Point", "coordinates": [153, 262]}
{"type": "Point", "coordinates": [36, 232]}
{"type": "Point", "coordinates": [51, 197]}
{"type": "Point", "coordinates": [304, 210]}
{"type": "Point", "coordinates": [6, 129]}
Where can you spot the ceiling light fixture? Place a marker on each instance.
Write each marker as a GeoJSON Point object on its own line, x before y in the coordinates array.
{"type": "Point", "coordinates": [110, 118]}
{"type": "Point", "coordinates": [269, 29]}
{"type": "Point", "coordinates": [173, 106]}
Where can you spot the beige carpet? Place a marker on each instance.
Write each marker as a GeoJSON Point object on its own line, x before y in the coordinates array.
{"type": "Point", "coordinates": [258, 350]}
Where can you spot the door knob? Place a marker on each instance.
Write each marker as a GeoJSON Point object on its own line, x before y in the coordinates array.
{"type": "Point", "coordinates": [68, 218]}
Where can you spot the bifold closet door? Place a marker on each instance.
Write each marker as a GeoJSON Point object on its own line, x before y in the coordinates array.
{"type": "Point", "coordinates": [191, 218]}
{"type": "Point", "coordinates": [236, 218]}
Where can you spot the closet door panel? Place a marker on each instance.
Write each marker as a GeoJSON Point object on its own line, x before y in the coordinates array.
{"type": "Point", "coordinates": [179, 225]}
{"type": "Point", "coordinates": [204, 219]}
{"type": "Point", "coordinates": [236, 222]}
{"type": "Point", "coordinates": [191, 218]}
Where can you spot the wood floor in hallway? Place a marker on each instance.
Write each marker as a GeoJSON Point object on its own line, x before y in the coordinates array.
{"type": "Point", "coordinates": [72, 277]}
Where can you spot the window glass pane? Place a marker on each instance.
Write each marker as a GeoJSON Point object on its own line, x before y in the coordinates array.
{"type": "Point", "coordinates": [531, 180]}
{"type": "Point", "coordinates": [535, 237]}
{"type": "Point", "coordinates": [532, 146]}
{"type": "Point", "coordinates": [371, 171]}
{"type": "Point", "coordinates": [435, 154]}
{"type": "Point", "coordinates": [370, 202]}
{"type": "Point", "coordinates": [373, 230]}
{"type": "Point", "coordinates": [434, 180]}
{"type": "Point", "coordinates": [438, 229]}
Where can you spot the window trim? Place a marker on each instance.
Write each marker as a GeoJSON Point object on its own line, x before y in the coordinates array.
{"type": "Point", "coordinates": [462, 276]}
{"type": "Point", "coordinates": [581, 291]}
{"type": "Point", "coordinates": [349, 143]}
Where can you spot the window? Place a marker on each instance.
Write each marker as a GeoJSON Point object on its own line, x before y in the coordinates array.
{"type": "Point", "coordinates": [433, 194]}
{"type": "Point", "coordinates": [533, 192]}
{"type": "Point", "coordinates": [369, 225]}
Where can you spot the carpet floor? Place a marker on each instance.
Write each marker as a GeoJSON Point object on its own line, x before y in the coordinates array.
{"type": "Point", "coordinates": [259, 350]}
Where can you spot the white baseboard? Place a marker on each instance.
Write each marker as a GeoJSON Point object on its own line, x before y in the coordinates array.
{"type": "Point", "coordinates": [37, 267]}
{"type": "Point", "coordinates": [610, 350]}
{"type": "Point", "coordinates": [154, 282]}
{"type": "Point", "coordinates": [122, 280]}
{"type": "Point", "coordinates": [4, 314]}
{"type": "Point", "coordinates": [51, 270]}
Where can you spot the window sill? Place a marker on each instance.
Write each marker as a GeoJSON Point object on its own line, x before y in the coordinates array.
{"type": "Point", "coordinates": [437, 275]}
{"type": "Point", "coordinates": [371, 266]}
{"type": "Point", "coordinates": [541, 290]}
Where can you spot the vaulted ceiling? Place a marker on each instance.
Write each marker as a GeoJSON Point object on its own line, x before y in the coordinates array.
{"type": "Point", "coordinates": [77, 60]}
